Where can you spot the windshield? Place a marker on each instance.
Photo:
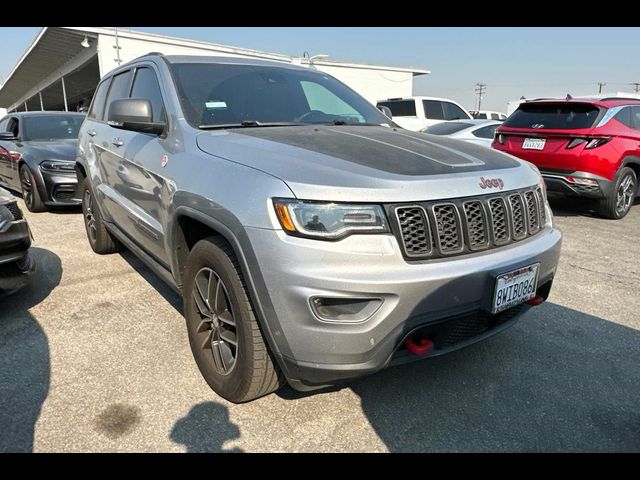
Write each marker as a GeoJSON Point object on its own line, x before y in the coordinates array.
{"type": "Point", "coordinates": [233, 95]}
{"type": "Point", "coordinates": [447, 128]}
{"type": "Point", "coordinates": [561, 116]}
{"type": "Point", "coordinates": [51, 127]}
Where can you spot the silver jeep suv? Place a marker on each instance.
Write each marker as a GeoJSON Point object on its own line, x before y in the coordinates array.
{"type": "Point", "coordinates": [312, 239]}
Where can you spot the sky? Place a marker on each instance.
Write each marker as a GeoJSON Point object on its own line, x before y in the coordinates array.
{"type": "Point", "coordinates": [512, 62]}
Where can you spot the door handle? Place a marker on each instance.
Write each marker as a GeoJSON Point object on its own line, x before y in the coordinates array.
{"type": "Point", "coordinates": [92, 133]}
{"type": "Point", "coordinates": [117, 142]}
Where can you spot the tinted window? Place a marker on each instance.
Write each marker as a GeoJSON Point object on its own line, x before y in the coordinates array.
{"type": "Point", "coordinates": [553, 116]}
{"type": "Point", "coordinates": [446, 128]}
{"type": "Point", "coordinates": [485, 132]}
{"type": "Point", "coordinates": [624, 117]}
{"type": "Point", "coordinates": [401, 108]}
{"type": "Point", "coordinates": [481, 116]}
{"type": "Point", "coordinates": [97, 106]}
{"type": "Point", "coordinates": [119, 88]}
{"type": "Point", "coordinates": [453, 112]}
{"type": "Point", "coordinates": [146, 86]}
{"type": "Point", "coordinates": [219, 94]}
{"type": "Point", "coordinates": [51, 127]}
{"type": "Point", "coordinates": [433, 109]}
{"type": "Point", "coordinates": [635, 117]}
{"type": "Point", "coordinates": [14, 126]}
{"type": "Point", "coordinates": [495, 116]}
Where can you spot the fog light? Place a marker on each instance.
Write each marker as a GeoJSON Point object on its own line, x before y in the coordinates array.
{"type": "Point", "coordinates": [344, 309]}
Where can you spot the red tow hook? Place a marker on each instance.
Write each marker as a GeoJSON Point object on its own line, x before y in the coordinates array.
{"type": "Point", "coordinates": [423, 347]}
{"type": "Point", "coordinates": [537, 300]}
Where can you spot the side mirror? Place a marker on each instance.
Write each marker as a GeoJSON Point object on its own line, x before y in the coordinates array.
{"type": "Point", "coordinates": [386, 110]}
{"type": "Point", "coordinates": [7, 136]}
{"type": "Point", "coordinates": [134, 114]}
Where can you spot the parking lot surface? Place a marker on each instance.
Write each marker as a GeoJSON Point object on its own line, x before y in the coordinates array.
{"type": "Point", "coordinates": [94, 357]}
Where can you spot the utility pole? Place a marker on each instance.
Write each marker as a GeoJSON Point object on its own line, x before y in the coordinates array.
{"type": "Point", "coordinates": [480, 89]}
{"type": "Point", "coordinates": [117, 47]}
{"type": "Point", "coordinates": [600, 85]}
{"type": "Point", "coordinates": [636, 85]}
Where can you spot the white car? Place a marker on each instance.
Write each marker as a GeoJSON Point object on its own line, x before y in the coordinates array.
{"type": "Point", "coordinates": [487, 115]}
{"type": "Point", "coordinates": [480, 132]}
{"type": "Point", "coordinates": [416, 113]}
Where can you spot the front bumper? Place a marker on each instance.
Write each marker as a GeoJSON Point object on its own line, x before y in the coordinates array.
{"type": "Point", "coordinates": [16, 265]}
{"type": "Point", "coordinates": [59, 189]}
{"type": "Point", "coordinates": [316, 352]}
{"type": "Point", "coordinates": [568, 183]}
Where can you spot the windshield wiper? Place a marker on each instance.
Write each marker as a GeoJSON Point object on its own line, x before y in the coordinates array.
{"type": "Point", "coordinates": [249, 124]}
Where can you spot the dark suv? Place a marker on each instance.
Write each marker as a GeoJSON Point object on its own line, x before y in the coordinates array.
{"type": "Point", "coordinates": [586, 148]}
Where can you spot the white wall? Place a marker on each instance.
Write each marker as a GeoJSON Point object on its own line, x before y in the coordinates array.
{"type": "Point", "coordinates": [372, 84]}
{"type": "Point", "coordinates": [3, 112]}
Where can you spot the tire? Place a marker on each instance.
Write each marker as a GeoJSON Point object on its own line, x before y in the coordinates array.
{"type": "Point", "coordinates": [29, 190]}
{"type": "Point", "coordinates": [237, 373]}
{"type": "Point", "coordinates": [620, 200]}
{"type": "Point", "coordinates": [100, 239]}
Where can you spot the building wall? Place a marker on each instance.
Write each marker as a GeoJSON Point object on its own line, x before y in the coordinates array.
{"type": "Point", "coordinates": [371, 84]}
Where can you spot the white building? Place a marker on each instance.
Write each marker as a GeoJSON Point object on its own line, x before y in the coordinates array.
{"type": "Point", "coordinates": [63, 65]}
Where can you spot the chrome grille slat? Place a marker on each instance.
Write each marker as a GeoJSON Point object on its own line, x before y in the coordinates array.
{"type": "Point", "coordinates": [438, 229]}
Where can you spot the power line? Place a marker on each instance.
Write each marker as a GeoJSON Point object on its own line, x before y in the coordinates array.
{"type": "Point", "coordinates": [480, 89]}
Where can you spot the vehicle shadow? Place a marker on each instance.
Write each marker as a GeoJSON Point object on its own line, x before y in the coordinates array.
{"type": "Point", "coordinates": [172, 297]}
{"type": "Point", "coordinates": [74, 209]}
{"type": "Point", "coordinates": [24, 356]}
{"type": "Point", "coordinates": [205, 429]}
{"type": "Point", "coordinates": [559, 380]}
{"type": "Point", "coordinates": [565, 206]}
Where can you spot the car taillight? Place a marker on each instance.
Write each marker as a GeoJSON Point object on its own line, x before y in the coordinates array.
{"type": "Point", "coordinates": [575, 142]}
{"type": "Point", "coordinates": [596, 142]}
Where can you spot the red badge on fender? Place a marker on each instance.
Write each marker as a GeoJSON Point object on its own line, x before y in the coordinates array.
{"type": "Point", "coordinates": [164, 161]}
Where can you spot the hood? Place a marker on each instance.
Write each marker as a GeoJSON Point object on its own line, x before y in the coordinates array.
{"type": "Point", "coordinates": [355, 163]}
{"type": "Point", "coordinates": [52, 149]}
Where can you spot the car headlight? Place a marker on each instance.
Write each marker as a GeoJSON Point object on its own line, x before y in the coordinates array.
{"type": "Point", "coordinates": [329, 221]}
{"type": "Point", "coordinates": [58, 166]}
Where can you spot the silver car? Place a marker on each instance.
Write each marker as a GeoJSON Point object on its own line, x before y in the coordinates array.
{"type": "Point", "coordinates": [313, 240]}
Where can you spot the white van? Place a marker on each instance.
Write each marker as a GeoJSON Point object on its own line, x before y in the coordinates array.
{"type": "Point", "coordinates": [417, 113]}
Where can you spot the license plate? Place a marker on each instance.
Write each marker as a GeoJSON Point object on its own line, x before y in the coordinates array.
{"type": "Point", "coordinates": [515, 287]}
{"type": "Point", "coordinates": [533, 143]}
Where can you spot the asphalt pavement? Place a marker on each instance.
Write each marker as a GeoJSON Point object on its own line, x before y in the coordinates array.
{"type": "Point", "coordinates": [94, 357]}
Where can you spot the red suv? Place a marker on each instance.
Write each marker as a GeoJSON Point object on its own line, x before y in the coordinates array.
{"type": "Point", "coordinates": [588, 148]}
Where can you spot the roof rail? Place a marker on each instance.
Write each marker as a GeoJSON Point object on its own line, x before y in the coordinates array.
{"type": "Point", "coordinates": [150, 54]}
{"type": "Point", "coordinates": [609, 99]}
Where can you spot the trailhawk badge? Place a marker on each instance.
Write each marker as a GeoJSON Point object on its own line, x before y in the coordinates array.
{"type": "Point", "coordinates": [491, 183]}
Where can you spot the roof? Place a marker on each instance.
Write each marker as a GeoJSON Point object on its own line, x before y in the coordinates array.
{"type": "Point", "coordinates": [226, 60]}
{"type": "Point", "coordinates": [418, 97]}
{"type": "Point", "coordinates": [53, 47]}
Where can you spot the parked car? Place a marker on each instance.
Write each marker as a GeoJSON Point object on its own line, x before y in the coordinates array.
{"type": "Point", "coordinates": [417, 113]}
{"type": "Point", "coordinates": [487, 115]}
{"type": "Point", "coordinates": [37, 157]}
{"type": "Point", "coordinates": [585, 148]}
{"type": "Point", "coordinates": [16, 265]}
{"type": "Point", "coordinates": [311, 242]}
{"type": "Point", "coordinates": [480, 132]}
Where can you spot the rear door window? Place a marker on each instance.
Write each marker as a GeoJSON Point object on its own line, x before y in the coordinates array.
{"type": "Point", "coordinates": [401, 108]}
{"type": "Point", "coordinates": [495, 116]}
{"type": "Point", "coordinates": [567, 116]}
{"type": "Point", "coordinates": [433, 110]}
{"type": "Point", "coordinates": [453, 111]}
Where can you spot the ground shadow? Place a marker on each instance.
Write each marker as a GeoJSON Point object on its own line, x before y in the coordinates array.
{"type": "Point", "coordinates": [205, 429]}
{"type": "Point", "coordinates": [172, 297]}
{"type": "Point", "coordinates": [66, 210]}
{"type": "Point", "coordinates": [567, 206]}
{"type": "Point", "coordinates": [24, 356]}
{"type": "Point", "coordinates": [559, 380]}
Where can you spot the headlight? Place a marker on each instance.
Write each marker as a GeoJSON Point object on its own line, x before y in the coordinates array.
{"type": "Point", "coordinates": [58, 166]}
{"type": "Point", "coordinates": [329, 221]}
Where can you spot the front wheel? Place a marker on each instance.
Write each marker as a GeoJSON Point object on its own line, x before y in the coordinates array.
{"type": "Point", "coordinates": [224, 334]}
{"type": "Point", "coordinates": [100, 239]}
{"type": "Point", "coordinates": [30, 193]}
{"type": "Point", "coordinates": [619, 201]}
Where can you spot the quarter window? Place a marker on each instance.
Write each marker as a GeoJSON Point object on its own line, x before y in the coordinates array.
{"type": "Point", "coordinates": [97, 106]}
{"type": "Point", "coordinates": [145, 86]}
{"type": "Point", "coordinates": [624, 117]}
{"type": "Point", "coordinates": [635, 117]}
{"type": "Point", "coordinates": [401, 108]}
{"type": "Point", "coordinates": [119, 88]}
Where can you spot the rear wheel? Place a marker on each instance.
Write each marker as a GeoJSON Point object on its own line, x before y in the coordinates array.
{"type": "Point", "coordinates": [100, 239]}
{"type": "Point", "coordinates": [224, 334]}
{"type": "Point", "coordinates": [619, 201]}
{"type": "Point", "coordinates": [30, 193]}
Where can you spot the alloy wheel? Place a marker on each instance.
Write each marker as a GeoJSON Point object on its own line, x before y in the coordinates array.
{"type": "Point", "coordinates": [216, 331]}
{"type": "Point", "coordinates": [26, 182]}
{"type": "Point", "coordinates": [89, 218]}
{"type": "Point", "coordinates": [625, 194]}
